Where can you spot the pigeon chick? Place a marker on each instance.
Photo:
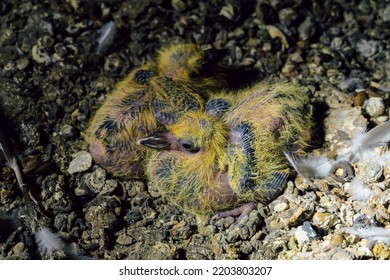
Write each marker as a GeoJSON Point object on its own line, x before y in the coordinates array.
{"type": "Point", "coordinates": [139, 104]}
{"type": "Point", "coordinates": [231, 155]}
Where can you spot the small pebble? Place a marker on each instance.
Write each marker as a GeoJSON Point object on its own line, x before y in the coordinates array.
{"type": "Point", "coordinates": [343, 123]}
{"type": "Point", "coordinates": [199, 253]}
{"type": "Point", "coordinates": [113, 63]}
{"type": "Point", "coordinates": [67, 132]}
{"type": "Point", "coordinates": [306, 29]}
{"type": "Point", "coordinates": [372, 172]}
{"type": "Point", "coordinates": [305, 233]}
{"type": "Point", "coordinates": [386, 13]}
{"type": "Point", "coordinates": [275, 32]}
{"type": "Point", "coordinates": [367, 48]}
{"type": "Point", "coordinates": [124, 239]}
{"type": "Point", "coordinates": [82, 161]}
{"type": "Point", "coordinates": [375, 106]}
{"type": "Point", "coordinates": [365, 249]}
{"type": "Point", "coordinates": [324, 219]}
{"type": "Point", "coordinates": [18, 248]}
{"type": "Point", "coordinates": [350, 84]}
{"type": "Point", "coordinates": [227, 11]}
{"type": "Point", "coordinates": [40, 55]}
{"type": "Point", "coordinates": [79, 191]}
{"type": "Point", "coordinates": [287, 16]}
{"type": "Point", "coordinates": [361, 96]}
{"type": "Point", "coordinates": [179, 5]}
{"type": "Point", "coordinates": [382, 119]}
{"type": "Point", "coordinates": [22, 63]}
{"type": "Point", "coordinates": [343, 255]}
{"type": "Point", "coordinates": [97, 179]}
{"type": "Point", "coordinates": [280, 207]}
{"type": "Point", "coordinates": [381, 251]}
{"type": "Point", "coordinates": [101, 217]}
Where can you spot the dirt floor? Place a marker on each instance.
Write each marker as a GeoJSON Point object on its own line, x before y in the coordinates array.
{"type": "Point", "coordinates": [55, 75]}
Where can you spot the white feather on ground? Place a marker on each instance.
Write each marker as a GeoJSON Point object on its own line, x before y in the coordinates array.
{"type": "Point", "coordinates": [311, 166]}
{"type": "Point", "coordinates": [376, 234]}
{"type": "Point", "coordinates": [363, 144]}
{"type": "Point", "coordinates": [359, 191]}
{"type": "Point", "coordinates": [107, 34]}
{"type": "Point", "coordinates": [48, 242]}
{"type": "Point", "coordinates": [8, 152]}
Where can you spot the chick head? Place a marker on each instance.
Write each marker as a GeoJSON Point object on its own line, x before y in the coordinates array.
{"type": "Point", "coordinates": [172, 99]}
{"type": "Point", "coordinates": [180, 61]}
{"type": "Point", "coordinates": [189, 163]}
{"type": "Point", "coordinates": [190, 64]}
{"type": "Point", "coordinates": [193, 132]}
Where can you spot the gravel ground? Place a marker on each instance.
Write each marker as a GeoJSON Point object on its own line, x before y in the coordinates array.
{"type": "Point", "coordinates": [54, 77]}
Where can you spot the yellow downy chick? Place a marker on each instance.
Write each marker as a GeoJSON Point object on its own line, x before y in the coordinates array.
{"type": "Point", "coordinates": [264, 122]}
{"type": "Point", "coordinates": [207, 163]}
{"type": "Point", "coordinates": [125, 115]}
{"type": "Point", "coordinates": [185, 63]}
{"type": "Point", "coordinates": [152, 95]}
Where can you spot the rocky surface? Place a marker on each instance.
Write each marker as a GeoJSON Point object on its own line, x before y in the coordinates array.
{"type": "Point", "coordinates": [55, 72]}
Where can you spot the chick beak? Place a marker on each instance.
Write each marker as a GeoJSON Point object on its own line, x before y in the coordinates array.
{"type": "Point", "coordinates": [161, 140]}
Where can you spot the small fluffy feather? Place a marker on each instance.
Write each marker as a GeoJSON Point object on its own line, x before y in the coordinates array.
{"type": "Point", "coordinates": [376, 234]}
{"type": "Point", "coordinates": [364, 143]}
{"type": "Point", "coordinates": [359, 191]}
{"type": "Point", "coordinates": [107, 34]}
{"type": "Point", "coordinates": [311, 166]}
{"type": "Point", "coordinates": [8, 152]}
{"type": "Point", "coordinates": [48, 242]}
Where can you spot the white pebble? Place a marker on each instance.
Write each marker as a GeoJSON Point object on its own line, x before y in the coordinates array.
{"type": "Point", "coordinates": [280, 207]}
{"type": "Point", "coordinates": [81, 162]}
{"type": "Point", "coordinates": [375, 106]}
{"type": "Point", "coordinates": [305, 233]}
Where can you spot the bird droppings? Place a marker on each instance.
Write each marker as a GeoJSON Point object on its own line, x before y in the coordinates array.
{"type": "Point", "coordinates": [53, 84]}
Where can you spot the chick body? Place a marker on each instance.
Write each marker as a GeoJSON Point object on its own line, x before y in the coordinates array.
{"type": "Point", "coordinates": [235, 154]}
{"type": "Point", "coordinates": [264, 122]}
{"type": "Point", "coordinates": [124, 114]}
{"type": "Point", "coordinates": [150, 96]}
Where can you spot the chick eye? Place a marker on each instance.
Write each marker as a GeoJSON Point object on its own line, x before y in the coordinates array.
{"type": "Point", "coordinates": [188, 146]}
